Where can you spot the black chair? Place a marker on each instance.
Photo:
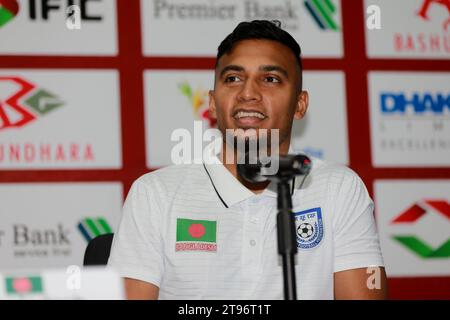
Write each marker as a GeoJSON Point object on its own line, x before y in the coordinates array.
{"type": "Point", "coordinates": [98, 250]}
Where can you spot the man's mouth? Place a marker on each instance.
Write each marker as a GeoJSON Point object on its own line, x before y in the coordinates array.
{"type": "Point", "coordinates": [248, 118]}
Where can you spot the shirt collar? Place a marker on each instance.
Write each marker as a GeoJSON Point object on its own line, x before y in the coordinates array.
{"type": "Point", "coordinates": [227, 187]}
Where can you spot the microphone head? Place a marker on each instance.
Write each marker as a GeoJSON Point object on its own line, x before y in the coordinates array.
{"type": "Point", "coordinates": [302, 163]}
{"type": "Point", "coordinates": [251, 172]}
{"type": "Point", "coordinates": [250, 169]}
{"type": "Point", "coordinates": [288, 167]}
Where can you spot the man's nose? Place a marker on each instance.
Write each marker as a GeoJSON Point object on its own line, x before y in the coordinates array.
{"type": "Point", "coordinates": [249, 91]}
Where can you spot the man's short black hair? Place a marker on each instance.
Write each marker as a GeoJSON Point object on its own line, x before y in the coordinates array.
{"type": "Point", "coordinates": [264, 30]}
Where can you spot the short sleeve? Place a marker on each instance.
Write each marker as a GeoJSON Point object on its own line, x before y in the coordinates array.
{"type": "Point", "coordinates": [356, 240]}
{"type": "Point", "coordinates": [137, 249]}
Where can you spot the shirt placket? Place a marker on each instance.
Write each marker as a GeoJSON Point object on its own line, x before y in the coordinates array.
{"type": "Point", "coordinates": [252, 240]}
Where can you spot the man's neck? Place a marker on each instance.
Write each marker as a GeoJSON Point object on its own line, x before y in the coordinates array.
{"type": "Point", "coordinates": [254, 187]}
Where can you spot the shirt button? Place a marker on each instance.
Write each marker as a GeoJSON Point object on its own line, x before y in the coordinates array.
{"type": "Point", "coordinates": [252, 243]}
{"type": "Point", "coordinates": [254, 220]}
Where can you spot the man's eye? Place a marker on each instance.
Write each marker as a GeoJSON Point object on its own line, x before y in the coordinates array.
{"type": "Point", "coordinates": [272, 79]}
{"type": "Point", "coordinates": [232, 79]}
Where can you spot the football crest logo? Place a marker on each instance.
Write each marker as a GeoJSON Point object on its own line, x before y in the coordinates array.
{"type": "Point", "coordinates": [309, 228]}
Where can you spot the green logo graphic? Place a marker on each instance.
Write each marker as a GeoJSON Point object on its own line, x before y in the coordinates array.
{"type": "Point", "coordinates": [23, 285]}
{"type": "Point", "coordinates": [91, 228]}
{"type": "Point", "coordinates": [8, 10]}
{"type": "Point", "coordinates": [43, 102]}
{"type": "Point", "coordinates": [322, 11]}
{"type": "Point", "coordinates": [423, 250]}
{"type": "Point", "coordinates": [413, 243]}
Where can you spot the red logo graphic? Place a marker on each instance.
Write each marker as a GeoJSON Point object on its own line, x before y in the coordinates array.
{"type": "Point", "coordinates": [416, 211]}
{"type": "Point", "coordinates": [415, 244]}
{"type": "Point", "coordinates": [26, 104]}
{"type": "Point", "coordinates": [423, 11]}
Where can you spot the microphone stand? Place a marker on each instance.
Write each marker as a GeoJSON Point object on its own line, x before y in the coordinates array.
{"type": "Point", "coordinates": [287, 240]}
{"type": "Point", "coordinates": [289, 166]}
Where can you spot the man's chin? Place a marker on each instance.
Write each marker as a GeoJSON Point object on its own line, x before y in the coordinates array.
{"type": "Point", "coordinates": [246, 133]}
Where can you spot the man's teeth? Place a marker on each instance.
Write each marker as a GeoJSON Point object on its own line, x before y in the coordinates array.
{"type": "Point", "coordinates": [244, 114]}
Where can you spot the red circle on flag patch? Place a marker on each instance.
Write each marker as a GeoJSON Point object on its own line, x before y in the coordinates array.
{"type": "Point", "coordinates": [22, 285]}
{"type": "Point", "coordinates": [197, 230]}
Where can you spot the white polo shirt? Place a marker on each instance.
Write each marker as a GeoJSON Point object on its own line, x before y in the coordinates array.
{"type": "Point", "coordinates": [197, 233]}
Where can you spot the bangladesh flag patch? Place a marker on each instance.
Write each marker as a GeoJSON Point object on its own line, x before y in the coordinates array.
{"type": "Point", "coordinates": [24, 285]}
{"type": "Point", "coordinates": [196, 235]}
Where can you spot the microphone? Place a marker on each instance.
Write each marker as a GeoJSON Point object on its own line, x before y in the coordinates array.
{"type": "Point", "coordinates": [288, 167]}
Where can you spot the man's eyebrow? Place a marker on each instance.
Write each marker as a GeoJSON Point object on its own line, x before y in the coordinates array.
{"type": "Point", "coordinates": [231, 67]}
{"type": "Point", "coordinates": [270, 68]}
{"type": "Point", "coordinates": [265, 68]}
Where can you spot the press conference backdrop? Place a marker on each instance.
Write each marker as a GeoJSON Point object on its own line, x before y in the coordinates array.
{"type": "Point", "coordinates": [85, 111]}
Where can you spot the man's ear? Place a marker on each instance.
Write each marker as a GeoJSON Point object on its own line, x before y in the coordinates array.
{"type": "Point", "coordinates": [212, 105]}
{"type": "Point", "coordinates": [302, 105]}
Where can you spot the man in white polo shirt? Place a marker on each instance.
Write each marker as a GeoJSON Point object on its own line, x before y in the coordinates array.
{"type": "Point", "coordinates": [199, 231]}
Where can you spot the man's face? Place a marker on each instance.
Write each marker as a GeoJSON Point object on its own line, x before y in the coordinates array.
{"type": "Point", "coordinates": [257, 86]}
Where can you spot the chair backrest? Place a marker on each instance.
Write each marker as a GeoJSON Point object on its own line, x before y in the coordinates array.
{"type": "Point", "coordinates": [98, 250]}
